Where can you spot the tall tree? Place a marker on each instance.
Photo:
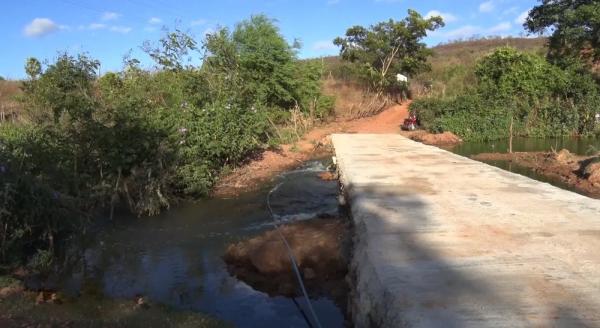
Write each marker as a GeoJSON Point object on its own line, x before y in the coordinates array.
{"type": "Point", "coordinates": [383, 50]}
{"type": "Point", "coordinates": [574, 24]}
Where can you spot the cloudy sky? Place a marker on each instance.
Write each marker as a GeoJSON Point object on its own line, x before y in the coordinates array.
{"type": "Point", "coordinates": [109, 29]}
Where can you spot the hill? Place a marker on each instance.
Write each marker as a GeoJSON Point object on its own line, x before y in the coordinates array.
{"type": "Point", "coordinates": [451, 72]}
{"type": "Point", "coordinates": [453, 63]}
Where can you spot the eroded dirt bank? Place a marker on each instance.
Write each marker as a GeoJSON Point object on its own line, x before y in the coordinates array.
{"type": "Point", "coordinates": [446, 139]}
{"type": "Point", "coordinates": [580, 172]}
{"type": "Point", "coordinates": [314, 143]}
{"type": "Point", "coordinates": [321, 247]}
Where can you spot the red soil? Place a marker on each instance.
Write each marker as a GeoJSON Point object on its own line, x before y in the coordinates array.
{"type": "Point", "coordinates": [315, 142]}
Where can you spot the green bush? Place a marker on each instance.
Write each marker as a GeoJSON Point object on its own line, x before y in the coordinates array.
{"type": "Point", "coordinates": [144, 138]}
{"type": "Point", "coordinates": [539, 98]}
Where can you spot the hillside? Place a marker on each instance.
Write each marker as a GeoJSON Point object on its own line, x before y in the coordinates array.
{"type": "Point", "coordinates": [452, 64]}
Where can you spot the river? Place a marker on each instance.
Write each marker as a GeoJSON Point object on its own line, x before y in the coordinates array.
{"type": "Point", "coordinates": [175, 258]}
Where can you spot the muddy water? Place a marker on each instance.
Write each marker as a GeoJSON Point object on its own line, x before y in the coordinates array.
{"type": "Point", "coordinates": [580, 146]}
{"type": "Point", "coordinates": [175, 258]}
{"type": "Point", "coordinates": [575, 145]}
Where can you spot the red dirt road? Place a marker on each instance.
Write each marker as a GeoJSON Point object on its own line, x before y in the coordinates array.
{"type": "Point", "coordinates": [271, 163]}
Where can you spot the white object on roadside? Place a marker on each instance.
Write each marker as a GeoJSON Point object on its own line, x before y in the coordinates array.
{"type": "Point", "coordinates": [401, 78]}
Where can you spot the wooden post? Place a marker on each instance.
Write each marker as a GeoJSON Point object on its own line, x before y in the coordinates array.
{"type": "Point", "coordinates": [510, 137]}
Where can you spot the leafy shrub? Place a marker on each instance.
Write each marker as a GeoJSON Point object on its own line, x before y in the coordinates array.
{"type": "Point", "coordinates": [144, 138]}
{"type": "Point", "coordinates": [541, 99]}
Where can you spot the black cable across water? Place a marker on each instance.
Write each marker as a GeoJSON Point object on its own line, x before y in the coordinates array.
{"type": "Point", "coordinates": [292, 258]}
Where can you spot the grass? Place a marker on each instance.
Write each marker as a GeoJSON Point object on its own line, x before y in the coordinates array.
{"type": "Point", "coordinates": [20, 310]}
{"type": "Point", "coordinates": [9, 90]}
{"type": "Point", "coordinates": [452, 66]}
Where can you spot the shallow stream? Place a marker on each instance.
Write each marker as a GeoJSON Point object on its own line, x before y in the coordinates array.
{"type": "Point", "coordinates": [580, 146]}
{"type": "Point", "coordinates": [175, 258]}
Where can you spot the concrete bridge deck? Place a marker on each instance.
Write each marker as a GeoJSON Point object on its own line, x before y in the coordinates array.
{"type": "Point", "coordinates": [445, 241]}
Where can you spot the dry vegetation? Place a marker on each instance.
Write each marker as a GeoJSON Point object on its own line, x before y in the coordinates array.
{"type": "Point", "coordinates": [451, 73]}
{"type": "Point", "coordinates": [351, 100]}
{"type": "Point", "coordinates": [9, 107]}
{"type": "Point", "coordinates": [452, 64]}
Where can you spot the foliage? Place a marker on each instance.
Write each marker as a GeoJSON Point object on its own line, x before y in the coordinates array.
{"type": "Point", "coordinates": [33, 68]}
{"type": "Point", "coordinates": [143, 138]}
{"type": "Point", "coordinates": [574, 24]}
{"type": "Point", "coordinates": [173, 50]}
{"type": "Point", "coordinates": [33, 215]}
{"type": "Point", "coordinates": [453, 64]}
{"type": "Point", "coordinates": [388, 48]}
{"type": "Point", "coordinates": [256, 62]}
{"type": "Point", "coordinates": [543, 99]}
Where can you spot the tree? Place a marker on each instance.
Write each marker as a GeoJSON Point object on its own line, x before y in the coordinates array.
{"type": "Point", "coordinates": [575, 27]}
{"type": "Point", "coordinates": [388, 48]}
{"type": "Point", "coordinates": [256, 62]}
{"type": "Point", "coordinates": [173, 51]}
{"type": "Point", "coordinates": [33, 68]}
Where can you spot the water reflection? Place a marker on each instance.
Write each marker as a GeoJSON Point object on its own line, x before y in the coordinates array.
{"type": "Point", "coordinates": [176, 258]}
{"type": "Point", "coordinates": [580, 146]}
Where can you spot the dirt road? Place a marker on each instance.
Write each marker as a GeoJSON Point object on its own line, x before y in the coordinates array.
{"type": "Point", "coordinates": [273, 162]}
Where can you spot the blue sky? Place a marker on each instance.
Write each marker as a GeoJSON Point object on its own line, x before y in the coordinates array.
{"type": "Point", "coordinates": [109, 29]}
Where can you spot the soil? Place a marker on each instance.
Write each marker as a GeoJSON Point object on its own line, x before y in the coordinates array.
{"type": "Point", "coordinates": [579, 172]}
{"type": "Point", "coordinates": [313, 144]}
{"type": "Point", "coordinates": [439, 139]}
{"type": "Point", "coordinates": [320, 246]}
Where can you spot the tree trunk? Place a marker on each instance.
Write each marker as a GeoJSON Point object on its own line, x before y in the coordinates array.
{"type": "Point", "coordinates": [510, 137]}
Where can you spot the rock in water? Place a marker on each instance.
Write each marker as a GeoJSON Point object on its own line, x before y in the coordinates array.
{"type": "Point", "coordinates": [320, 247]}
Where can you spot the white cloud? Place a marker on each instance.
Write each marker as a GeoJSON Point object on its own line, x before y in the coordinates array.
{"type": "Point", "coordinates": [109, 15]}
{"type": "Point", "coordinates": [154, 20]}
{"type": "Point", "coordinates": [463, 32]}
{"type": "Point", "coordinates": [448, 17]}
{"type": "Point", "coordinates": [468, 31]}
{"type": "Point", "coordinates": [486, 7]}
{"type": "Point", "coordinates": [120, 29]}
{"type": "Point", "coordinates": [198, 22]}
{"type": "Point", "coordinates": [502, 27]}
{"type": "Point", "coordinates": [96, 26]}
{"type": "Point", "coordinates": [511, 11]}
{"type": "Point", "coordinates": [323, 45]}
{"type": "Point", "coordinates": [40, 27]}
{"type": "Point", "coordinates": [522, 17]}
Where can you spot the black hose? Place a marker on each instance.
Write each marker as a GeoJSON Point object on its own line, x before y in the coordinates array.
{"type": "Point", "coordinates": [292, 258]}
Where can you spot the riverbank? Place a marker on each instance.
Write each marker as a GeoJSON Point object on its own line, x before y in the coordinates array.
{"type": "Point", "coordinates": [314, 143]}
{"type": "Point", "coordinates": [317, 142]}
{"type": "Point", "coordinates": [24, 309]}
{"type": "Point", "coordinates": [580, 172]}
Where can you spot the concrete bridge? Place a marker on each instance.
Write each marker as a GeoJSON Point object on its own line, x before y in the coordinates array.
{"type": "Point", "coordinates": [445, 241]}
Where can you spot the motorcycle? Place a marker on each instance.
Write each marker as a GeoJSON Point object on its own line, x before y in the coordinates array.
{"type": "Point", "coordinates": [411, 123]}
